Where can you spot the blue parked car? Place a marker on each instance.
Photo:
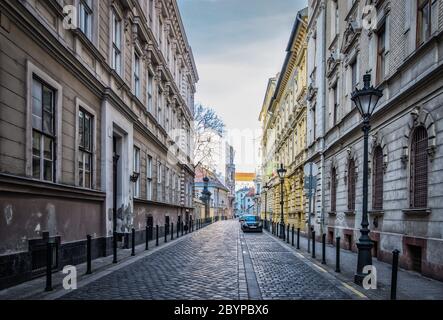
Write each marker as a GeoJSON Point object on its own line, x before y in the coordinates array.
{"type": "Point", "coordinates": [251, 223]}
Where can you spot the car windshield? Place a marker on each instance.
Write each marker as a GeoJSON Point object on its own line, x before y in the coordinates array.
{"type": "Point", "coordinates": [251, 218]}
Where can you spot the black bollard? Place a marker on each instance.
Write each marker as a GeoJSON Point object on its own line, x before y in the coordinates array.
{"type": "Point", "coordinates": [313, 244]}
{"type": "Point", "coordinates": [114, 247]}
{"type": "Point", "coordinates": [182, 227]}
{"type": "Point", "coordinates": [293, 228]}
{"type": "Point", "coordinates": [156, 235]}
{"type": "Point", "coordinates": [48, 266]}
{"type": "Point", "coordinates": [298, 238]}
{"type": "Point", "coordinates": [166, 234]}
{"type": "Point", "coordinates": [88, 255]}
{"type": "Point", "coordinates": [323, 255]}
{"type": "Point", "coordinates": [395, 254]}
{"type": "Point", "coordinates": [287, 232]}
{"type": "Point", "coordinates": [337, 255]}
{"type": "Point", "coordinates": [283, 232]}
{"type": "Point", "coordinates": [147, 238]}
{"type": "Point", "coordinates": [172, 230]}
{"type": "Point", "coordinates": [133, 242]}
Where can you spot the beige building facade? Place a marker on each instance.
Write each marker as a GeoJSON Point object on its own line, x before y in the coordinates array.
{"type": "Point", "coordinates": [283, 118]}
{"type": "Point", "coordinates": [96, 108]}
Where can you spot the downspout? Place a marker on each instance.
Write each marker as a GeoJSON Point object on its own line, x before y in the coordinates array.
{"type": "Point", "coordinates": [322, 157]}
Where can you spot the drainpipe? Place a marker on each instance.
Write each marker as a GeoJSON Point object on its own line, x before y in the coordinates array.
{"type": "Point", "coordinates": [322, 157]}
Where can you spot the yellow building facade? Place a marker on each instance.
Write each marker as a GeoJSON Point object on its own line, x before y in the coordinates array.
{"type": "Point", "coordinates": [283, 122]}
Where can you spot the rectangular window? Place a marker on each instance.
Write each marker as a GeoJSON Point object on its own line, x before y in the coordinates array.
{"type": "Point", "coordinates": [149, 178]}
{"type": "Point", "coordinates": [354, 76]}
{"type": "Point", "coordinates": [43, 133]}
{"type": "Point", "coordinates": [85, 154]}
{"type": "Point", "coordinates": [116, 43]}
{"type": "Point", "coordinates": [167, 185]}
{"type": "Point", "coordinates": [314, 129]}
{"type": "Point", "coordinates": [160, 106]}
{"type": "Point", "coordinates": [336, 104]}
{"type": "Point", "coordinates": [167, 114]}
{"type": "Point", "coordinates": [150, 84]}
{"type": "Point", "coordinates": [85, 17]}
{"type": "Point", "coordinates": [424, 23]}
{"type": "Point", "coordinates": [151, 12]}
{"type": "Point", "coordinates": [159, 173]}
{"type": "Point", "coordinates": [160, 34]}
{"type": "Point", "coordinates": [136, 159]}
{"type": "Point", "coordinates": [381, 51]}
{"type": "Point", "coordinates": [137, 75]}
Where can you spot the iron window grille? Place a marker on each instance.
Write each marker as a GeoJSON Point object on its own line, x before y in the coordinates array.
{"type": "Point", "coordinates": [377, 179]}
{"type": "Point", "coordinates": [351, 185]}
{"type": "Point", "coordinates": [419, 169]}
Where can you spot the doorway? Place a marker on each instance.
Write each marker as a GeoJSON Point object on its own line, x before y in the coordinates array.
{"type": "Point", "coordinates": [375, 249]}
{"type": "Point", "coordinates": [331, 237]}
{"type": "Point", "coordinates": [116, 189]}
{"type": "Point", "coordinates": [167, 221]}
{"type": "Point", "coordinates": [415, 254]}
{"type": "Point", "coordinates": [150, 224]}
{"type": "Point", "coordinates": [349, 241]}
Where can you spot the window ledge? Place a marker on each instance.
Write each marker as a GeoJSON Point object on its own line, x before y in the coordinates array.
{"type": "Point", "coordinates": [376, 212]}
{"type": "Point", "coordinates": [418, 211]}
{"type": "Point", "coordinates": [332, 213]}
{"type": "Point", "coordinates": [350, 213]}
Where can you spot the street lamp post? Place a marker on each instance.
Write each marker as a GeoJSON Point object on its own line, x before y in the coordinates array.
{"type": "Point", "coordinates": [266, 188]}
{"type": "Point", "coordinates": [206, 196]}
{"type": "Point", "coordinates": [281, 173]}
{"type": "Point", "coordinates": [365, 100]}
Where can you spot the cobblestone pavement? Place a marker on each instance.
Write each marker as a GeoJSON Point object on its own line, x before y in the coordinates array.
{"type": "Point", "coordinates": [411, 285]}
{"type": "Point", "coordinates": [217, 262]}
{"type": "Point", "coordinates": [282, 275]}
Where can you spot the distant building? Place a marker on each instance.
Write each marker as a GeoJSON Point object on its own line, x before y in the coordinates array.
{"type": "Point", "coordinates": [219, 201]}
{"type": "Point", "coordinates": [245, 201]}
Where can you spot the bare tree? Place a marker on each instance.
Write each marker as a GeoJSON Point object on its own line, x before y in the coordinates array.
{"type": "Point", "coordinates": [208, 126]}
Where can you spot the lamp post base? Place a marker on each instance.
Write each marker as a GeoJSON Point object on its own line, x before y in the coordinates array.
{"type": "Point", "coordinates": [364, 259]}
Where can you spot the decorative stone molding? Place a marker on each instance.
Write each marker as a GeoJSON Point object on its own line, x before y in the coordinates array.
{"type": "Point", "coordinates": [312, 92]}
{"type": "Point", "coordinates": [333, 62]}
{"type": "Point", "coordinates": [351, 156]}
{"type": "Point", "coordinates": [376, 140]}
{"type": "Point", "coordinates": [350, 36]}
{"type": "Point", "coordinates": [333, 164]}
{"type": "Point", "coordinates": [420, 117]}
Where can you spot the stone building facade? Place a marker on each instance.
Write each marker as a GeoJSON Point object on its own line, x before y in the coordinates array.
{"type": "Point", "coordinates": [283, 118]}
{"type": "Point", "coordinates": [96, 105]}
{"type": "Point", "coordinates": [399, 43]}
{"type": "Point", "coordinates": [219, 202]}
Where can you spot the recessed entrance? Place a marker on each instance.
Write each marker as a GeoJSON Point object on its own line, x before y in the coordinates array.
{"type": "Point", "coordinates": [415, 254]}
{"type": "Point", "coordinates": [348, 238]}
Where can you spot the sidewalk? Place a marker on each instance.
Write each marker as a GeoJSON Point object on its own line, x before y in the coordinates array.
{"type": "Point", "coordinates": [35, 289]}
{"type": "Point", "coordinates": [410, 285]}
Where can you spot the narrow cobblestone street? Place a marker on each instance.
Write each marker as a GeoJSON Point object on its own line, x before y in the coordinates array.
{"type": "Point", "coordinates": [217, 262]}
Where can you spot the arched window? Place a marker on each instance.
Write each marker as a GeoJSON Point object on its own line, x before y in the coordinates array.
{"type": "Point", "coordinates": [351, 185]}
{"type": "Point", "coordinates": [419, 169]}
{"type": "Point", "coordinates": [333, 190]}
{"type": "Point", "coordinates": [377, 179]}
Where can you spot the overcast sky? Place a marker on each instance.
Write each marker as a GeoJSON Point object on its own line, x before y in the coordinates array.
{"type": "Point", "coordinates": [238, 45]}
